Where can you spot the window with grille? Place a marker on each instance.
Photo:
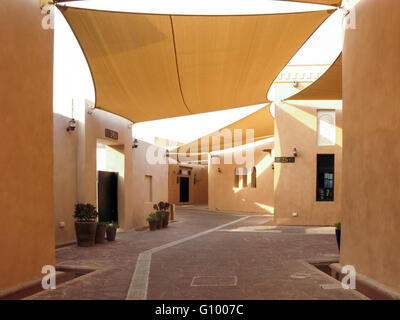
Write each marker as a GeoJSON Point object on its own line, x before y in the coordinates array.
{"type": "Point", "coordinates": [325, 177]}
{"type": "Point", "coordinates": [240, 178]}
{"type": "Point", "coordinates": [254, 178]}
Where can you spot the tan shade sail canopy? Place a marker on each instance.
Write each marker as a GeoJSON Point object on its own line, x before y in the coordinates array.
{"type": "Point", "coordinates": [150, 66]}
{"type": "Point", "coordinates": [261, 122]}
{"type": "Point", "coordinates": [326, 87]}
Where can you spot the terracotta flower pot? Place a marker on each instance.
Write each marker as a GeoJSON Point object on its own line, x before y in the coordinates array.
{"type": "Point", "coordinates": [153, 225]}
{"type": "Point", "coordinates": [111, 233]}
{"type": "Point", "coordinates": [85, 233]}
{"type": "Point", "coordinates": [166, 220]}
{"type": "Point", "coordinates": [159, 223]}
{"type": "Point", "coordinates": [100, 234]}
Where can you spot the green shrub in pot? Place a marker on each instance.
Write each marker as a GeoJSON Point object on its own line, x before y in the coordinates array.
{"type": "Point", "coordinates": [111, 231]}
{"type": "Point", "coordinates": [153, 219]}
{"type": "Point", "coordinates": [101, 232]}
{"type": "Point", "coordinates": [163, 209]}
{"type": "Point", "coordinates": [161, 217]}
{"type": "Point", "coordinates": [85, 224]}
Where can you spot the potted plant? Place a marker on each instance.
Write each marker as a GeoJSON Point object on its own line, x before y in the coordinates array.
{"type": "Point", "coordinates": [161, 217]}
{"type": "Point", "coordinates": [101, 232]}
{"type": "Point", "coordinates": [162, 208]}
{"type": "Point", "coordinates": [165, 207]}
{"type": "Point", "coordinates": [153, 221]}
{"type": "Point", "coordinates": [111, 231]}
{"type": "Point", "coordinates": [338, 231]}
{"type": "Point", "coordinates": [85, 224]}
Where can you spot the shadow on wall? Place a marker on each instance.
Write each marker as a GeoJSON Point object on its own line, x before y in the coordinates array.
{"type": "Point", "coordinates": [260, 168]}
{"type": "Point", "coordinates": [233, 188]}
{"type": "Point", "coordinates": [305, 113]}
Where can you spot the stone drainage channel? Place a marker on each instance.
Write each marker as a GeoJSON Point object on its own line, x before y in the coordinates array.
{"type": "Point", "coordinates": [64, 274]}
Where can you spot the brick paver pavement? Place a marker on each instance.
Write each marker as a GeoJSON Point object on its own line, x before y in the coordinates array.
{"type": "Point", "coordinates": [245, 260]}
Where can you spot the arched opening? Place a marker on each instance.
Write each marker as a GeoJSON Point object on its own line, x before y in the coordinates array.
{"type": "Point", "coordinates": [237, 176]}
{"type": "Point", "coordinates": [254, 178]}
{"type": "Point", "coordinates": [244, 177]}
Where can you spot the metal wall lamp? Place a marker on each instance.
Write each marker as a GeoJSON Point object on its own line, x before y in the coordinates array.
{"type": "Point", "coordinates": [71, 125]}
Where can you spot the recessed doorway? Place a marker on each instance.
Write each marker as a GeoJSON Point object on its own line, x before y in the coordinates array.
{"type": "Point", "coordinates": [108, 196]}
{"type": "Point", "coordinates": [184, 189]}
{"type": "Point", "coordinates": [110, 180]}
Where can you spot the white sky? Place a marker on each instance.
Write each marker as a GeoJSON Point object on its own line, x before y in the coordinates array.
{"type": "Point", "coordinates": [207, 7]}
{"type": "Point", "coordinates": [72, 77]}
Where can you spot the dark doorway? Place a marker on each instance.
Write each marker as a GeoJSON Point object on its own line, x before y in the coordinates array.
{"type": "Point", "coordinates": [108, 196]}
{"type": "Point", "coordinates": [184, 189]}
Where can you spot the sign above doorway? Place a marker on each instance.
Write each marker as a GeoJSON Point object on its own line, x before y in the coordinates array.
{"type": "Point", "coordinates": [111, 134]}
{"type": "Point", "coordinates": [285, 160]}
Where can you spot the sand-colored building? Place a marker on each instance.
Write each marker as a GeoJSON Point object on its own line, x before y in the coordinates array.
{"type": "Point", "coordinates": [101, 163]}
{"type": "Point", "coordinates": [187, 184]}
{"type": "Point", "coordinates": [371, 157]}
{"type": "Point", "coordinates": [366, 202]}
{"type": "Point", "coordinates": [26, 157]}
{"type": "Point", "coordinates": [234, 185]}
{"type": "Point", "coordinates": [306, 190]}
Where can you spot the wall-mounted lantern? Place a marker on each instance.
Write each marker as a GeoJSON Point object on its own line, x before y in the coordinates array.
{"type": "Point", "coordinates": [167, 154]}
{"type": "Point", "coordinates": [72, 122]}
{"type": "Point", "coordinates": [71, 125]}
{"type": "Point", "coordinates": [135, 144]}
{"type": "Point", "coordinates": [295, 152]}
{"type": "Point", "coordinates": [219, 170]}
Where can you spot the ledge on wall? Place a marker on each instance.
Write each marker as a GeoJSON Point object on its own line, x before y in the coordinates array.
{"type": "Point", "coordinates": [365, 285]}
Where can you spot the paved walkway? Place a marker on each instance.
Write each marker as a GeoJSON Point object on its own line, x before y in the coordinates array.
{"type": "Point", "coordinates": [205, 255]}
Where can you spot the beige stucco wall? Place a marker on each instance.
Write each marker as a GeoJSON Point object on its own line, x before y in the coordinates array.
{"type": "Point", "coordinates": [26, 157]}
{"type": "Point", "coordinates": [223, 195]}
{"type": "Point", "coordinates": [75, 170]}
{"type": "Point", "coordinates": [159, 173]}
{"type": "Point", "coordinates": [198, 192]}
{"type": "Point", "coordinates": [295, 183]}
{"type": "Point", "coordinates": [371, 155]}
{"type": "Point", "coordinates": [95, 124]}
{"type": "Point", "coordinates": [65, 178]}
